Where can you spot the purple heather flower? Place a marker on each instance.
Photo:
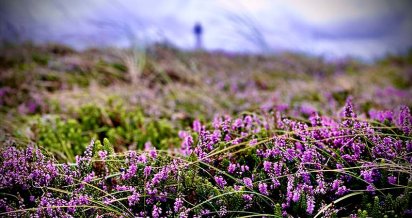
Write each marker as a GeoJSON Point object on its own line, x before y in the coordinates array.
{"type": "Point", "coordinates": [220, 181]}
{"type": "Point", "coordinates": [307, 109]}
{"type": "Point", "coordinates": [370, 188]}
{"type": "Point", "coordinates": [178, 204]}
{"type": "Point", "coordinates": [263, 188]}
{"type": "Point", "coordinates": [82, 200]}
{"type": "Point", "coordinates": [156, 211]}
{"type": "Point", "coordinates": [381, 116]}
{"type": "Point", "coordinates": [186, 146]}
{"type": "Point", "coordinates": [204, 212]}
{"type": "Point", "coordinates": [247, 197]}
{"type": "Point", "coordinates": [253, 142]}
{"type": "Point", "coordinates": [408, 212]}
{"type": "Point", "coordinates": [296, 195]}
{"type": "Point", "coordinates": [231, 168]}
{"type": "Point", "coordinates": [146, 171]}
{"type": "Point", "coordinates": [153, 153]}
{"type": "Point", "coordinates": [348, 113]}
{"type": "Point", "coordinates": [267, 166]}
{"type": "Point", "coordinates": [248, 182]}
{"type": "Point", "coordinates": [367, 176]}
{"type": "Point", "coordinates": [148, 146]}
{"type": "Point", "coordinates": [248, 121]}
{"type": "Point", "coordinates": [310, 202]}
{"type": "Point", "coordinates": [336, 183]}
{"type": "Point", "coordinates": [102, 155]}
{"type": "Point", "coordinates": [315, 119]}
{"type": "Point", "coordinates": [89, 177]}
{"type": "Point", "coordinates": [227, 137]}
{"type": "Point", "coordinates": [403, 119]}
{"type": "Point", "coordinates": [348, 110]}
{"type": "Point", "coordinates": [142, 158]}
{"type": "Point", "coordinates": [237, 123]}
{"type": "Point", "coordinates": [341, 190]}
{"type": "Point", "coordinates": [244, 168]}
{"type": "Point", "coordinates": [197, 126]}
{"type": "Point", "coordinates": [215, 136]}
{"type": "Point", "coordinates": [222, 211]}
{"type": "Point", "coordinates": [392, 180]}
{"type": "Point", "coordinates": [307, 156]}
{"type": "Point", "coordinates": [130, 172]}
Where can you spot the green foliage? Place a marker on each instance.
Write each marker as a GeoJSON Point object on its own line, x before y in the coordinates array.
{"type": "Point", "coordinates": [107, 146]}
{"type": "Point", "coordinates": [278, 211]}
{"type": "Point", "coordinates": [62, 137]}
{"type": "Point", "coordinates": [68, 138]}
{"type": "Point", "coordinates": [120, 67]}
{"type": "Point", "coordinates": [376, 208]}
{"type": "Point", "coordinates": [40, 58]}
{"type": "Point", "coordinates": [362, 213]}
{"type": "Point", "coordinates": [340, 96]}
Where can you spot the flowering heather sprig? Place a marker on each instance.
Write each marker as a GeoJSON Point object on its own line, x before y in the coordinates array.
{"type": "Point", "coordinates": [381, 116]}
{"type": "Point", "coordinates": [231, 168]}
{"type": "Point", "coordinates": [156, 212]}
{"type": "Point", "coordinates": [146, 171]}
{"type": "Point", "coordinates": [263, 188]}
{"type": "Point", "coordinates": [247, 197]}
{"type": "Point", "coordinates": [134, 198]}
{"type": "Point", "coordinates": [310, 202]}
{"type": "Point", "coordinates": [130, 172]}
{"type": "Point", "coordinates": [102, 155]}
{"type": "Point", "coordinates": [197, 126]}
{"type": "Point", "coordinates": [25, 168]}
{"type": "Point", "coordinates": [220, 181]}
{"type": "Point", "coordinates": [348, 113]}
{"type": "Point", "coordinates": [403, 119]}
{"type": "Point", "coordinates": [392, 180]}
{"type": "Point", "coordinates": [187, 142]}
{"type": "Point", "coordinates": [248, 182]}
{"type": "Point", "coordinates": [178, 204]}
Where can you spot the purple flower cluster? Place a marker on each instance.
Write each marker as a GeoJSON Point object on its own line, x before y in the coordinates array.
{"type": "Point", "coordinates": [247, 160]}
{"type": "Point", "coordinates": [305, 151]}
{"type": "Point", "coordinates": [25, 168]}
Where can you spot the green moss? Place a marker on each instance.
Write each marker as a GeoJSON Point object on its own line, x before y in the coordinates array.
{"type": "Point", "coordinates": [40, 58]}
{"type": "Point", "coordinates": [70, 137]}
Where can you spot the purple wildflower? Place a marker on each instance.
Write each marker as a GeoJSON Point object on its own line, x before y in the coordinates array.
{"type": "Point", "coordinates": [247, 197]}
{"type": "Point", "coordinates": [403, 119]}
{"type": "Point", "coordinates": [102, 155]}
{"type": "Point", "coordinates": [310, 202]}
{"type": "Point", "coordinates": [197, 126]}
{"type": "Point", "coordinates": [178, 204]}
{"type": "Point", "coordinates": [156, 211]}
{"type": "Point", "coordinates": [231, 168]}
{"type": "Point", "coordinates": [263, 188]}
{"type": "Point", "coordinates": [267, 166]}
{"type": "Point", "coordinates": [248, 182]}
{"type": "Point", "coordinates": [392, 180]}
{"type": "Point", "coordinates": [220, 181]}
{"type": "Point", "coordinates": [146, 171]}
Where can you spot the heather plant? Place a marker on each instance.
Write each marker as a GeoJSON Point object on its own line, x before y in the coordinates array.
{"type": "Point", "coordinates": [252, 165]}
{"type": "Point", "coordinates": [290, 141]}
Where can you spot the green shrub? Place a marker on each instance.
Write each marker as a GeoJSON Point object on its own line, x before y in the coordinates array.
{"type": "Point", "coordinates": [69, 137]}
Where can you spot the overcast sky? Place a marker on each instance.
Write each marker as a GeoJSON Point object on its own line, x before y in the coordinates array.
{"type": "Point", "coordinates": [361, 28]}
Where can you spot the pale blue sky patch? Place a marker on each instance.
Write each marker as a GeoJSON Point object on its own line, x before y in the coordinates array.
{"type": "Point", "coordinates": [337, 28]}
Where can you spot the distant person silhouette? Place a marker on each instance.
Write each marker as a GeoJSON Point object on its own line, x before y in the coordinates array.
{"type": "Point", "coordinates": [198, 30]}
